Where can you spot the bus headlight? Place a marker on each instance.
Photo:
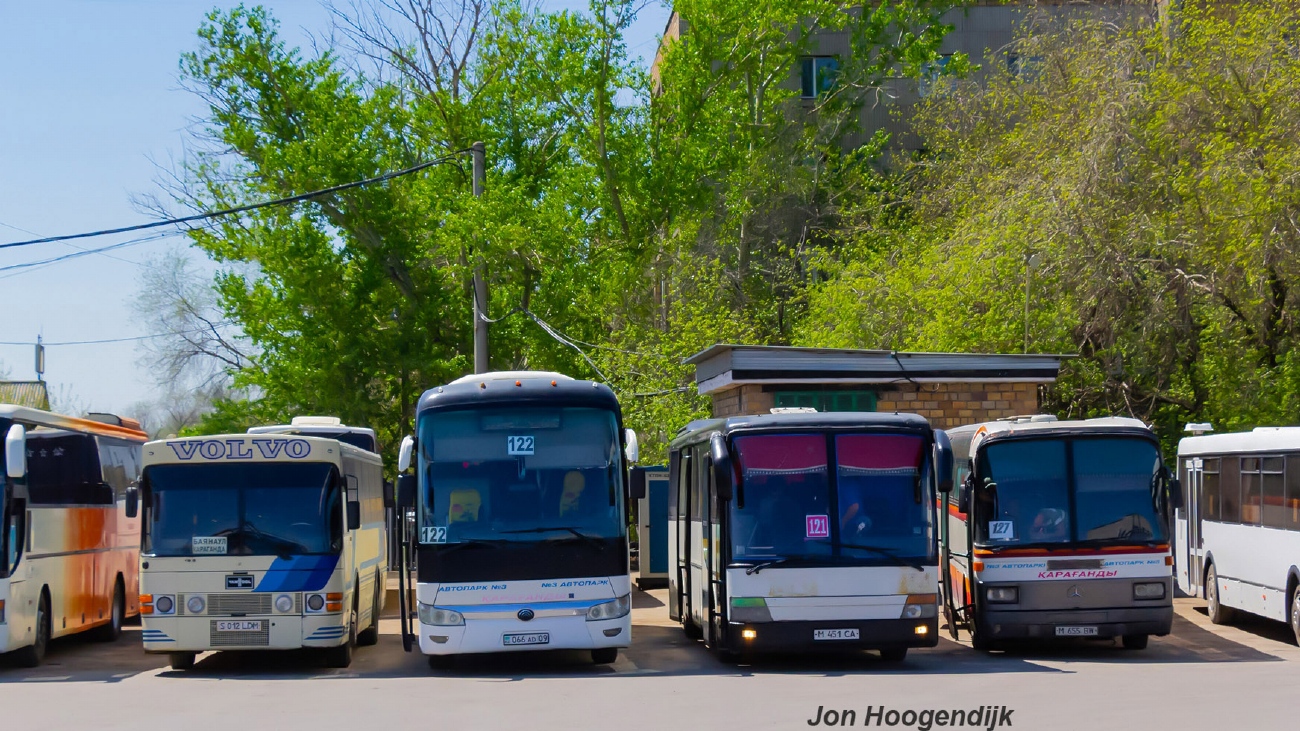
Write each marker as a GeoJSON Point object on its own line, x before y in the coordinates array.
{"type": "Point", "coordinates": [611, 610]}
{"type": "Point", "coordinates": [284, 603]}
{"type": "Point", "coordinates": [921, 606]}
{"type": "Point", "coordinates": [1002, 594]}
{"type": "Point", "coordinates": [195, 604]}
{"type": "Point", "coordinates": [164, 604]}
{"type": "Point", "coordinates": [1149, 590]}
{"type": "Point", "coordinates": [315, 602]}
{"type": "Point", "coordinates": [430, 614]}
{"type": "Point", "coordinates": [749, 609]}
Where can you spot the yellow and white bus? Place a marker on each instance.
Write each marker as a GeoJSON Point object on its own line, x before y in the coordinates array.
{"type": "Point", "coordinates": [260, 541]}
{"type": "Point", "coordinates": [69, 555]}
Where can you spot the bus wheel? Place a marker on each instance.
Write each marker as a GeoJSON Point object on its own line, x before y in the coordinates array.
{"type": "Point", "coordinates": [1135, 642]}
{"type": "Point", "coordinates": [117, 615]}
{"type": "Point", "coordinates": [34, 654]}
{"type": "Point", "coordinates": [181, 660]}
{"type": "Point", "coordinates": [1219, 614]}
{"type": "Point", "coordinates": [692, 630]}
{"type": "Point", "coordinates": [604, 655]}
{"type": "Point", "coordinates": [979, 638]}
{"type": "Point", "coordinates": [341, 656]}
{"type": "Point", "coordinates": [1295, 613]}
{"type": "Point", "coordinates": [893, 654]}
{"type": "Point", "coordinates": [371, 634]}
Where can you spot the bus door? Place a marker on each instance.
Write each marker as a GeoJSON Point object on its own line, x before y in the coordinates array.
{"type": "Point", "coordinates": [684, 541]}
{"type": "Point", "coordinates": [715, 552]}
{"type": "Point", "coordinates": [1187, 541]}
{"type": "Point", "coordinates": [699, 539]}
{"type": "Point", "coordinates": [675, 505]}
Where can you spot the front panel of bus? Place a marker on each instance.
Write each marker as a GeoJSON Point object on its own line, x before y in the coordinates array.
{"type": "Point", "coordinates": [243, 550]}
{"type": "Point", "coordinates": [829, 542]}
{"type": "Point", "coordinates": [522, 530]}
{"type": "Point", "coordinates": [1070, 537]}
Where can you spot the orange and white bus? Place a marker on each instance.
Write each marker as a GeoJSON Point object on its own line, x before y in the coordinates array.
{"type": "Point", "coordinates": [69, 556]}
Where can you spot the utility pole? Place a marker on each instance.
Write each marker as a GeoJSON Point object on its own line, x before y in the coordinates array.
{"type": "Point", "coordinates": [1031, 261]}
{"type": "Point", "coordinates": [40, 359]}
{"type": "Point", "coordinates": [480, 282]}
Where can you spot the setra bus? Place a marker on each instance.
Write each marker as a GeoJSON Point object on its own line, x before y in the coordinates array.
{"type": "Point", "coordinates": [68, 552]}
{"type": "Point", "coordinates": [806, 531]}
{"type": "Point", "coordinates": [1237, 538]}
{"type": "Point", "coordinates": [260, 541]}
{"type": "Point", "coordinates": [520, 489]}
{"type": "Point", "coordinates": [1059, 529]}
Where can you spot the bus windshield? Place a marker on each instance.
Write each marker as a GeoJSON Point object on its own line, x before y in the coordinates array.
{"type": "Point", "coordinates": [1056, 491]}
{"type": "Point", "coordinates": [876, 510]}
{"type": "Point", "coordinates": [520, 476]}
{"type": "Point", "coordinates": [251, 509]}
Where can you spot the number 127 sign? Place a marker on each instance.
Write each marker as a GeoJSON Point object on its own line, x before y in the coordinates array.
{"type": "Point", "coordinates": [818, 526]}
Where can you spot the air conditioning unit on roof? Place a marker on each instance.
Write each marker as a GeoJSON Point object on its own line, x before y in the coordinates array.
{"type": "Point", "coordinates": [316, 421]}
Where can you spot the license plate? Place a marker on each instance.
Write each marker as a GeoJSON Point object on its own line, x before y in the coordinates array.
{"type": "Point", "coordinates": [240, 626]}
{"type": "Point", "coordinates": [1076, 631]}
{"type": "Point", "coordinates": [526, 638]}
{"type": "Point", "coordinates": [835, 634]}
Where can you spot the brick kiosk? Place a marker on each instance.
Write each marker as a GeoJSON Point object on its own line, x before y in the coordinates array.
{"type": "Point", "coordinates": [949, 389]}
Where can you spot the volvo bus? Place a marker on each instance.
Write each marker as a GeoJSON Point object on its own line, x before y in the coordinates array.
{"type": "Point", "coordinates": [806, 531]}
{"type": "Point", "coordinates": [260, 541]}
{"type": "Point", "coordinates": [68, 552]}
{"type": "Point", "coordinates": [520, 489]}
{"type": "Point", "coordinates": [1238, 535]}
{"type": "Point", "coordinates": [1059, 529]}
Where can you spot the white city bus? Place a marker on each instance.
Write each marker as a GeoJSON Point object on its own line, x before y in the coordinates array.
{"type": "Point", "coordinates": [806, 531]}
{"type": "Point", "coordinates": [68, 553]}
{"type": "Point", "coordinates": [1237, 539]}
{"type": "Point", "coordinates": [522, 516]}
{"type": "Point", "coordinates": [263, 541]}
{"type": "Point", "coordinates": [1059, 529]}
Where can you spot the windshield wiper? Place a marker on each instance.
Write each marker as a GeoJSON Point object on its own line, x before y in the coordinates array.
{"type": "Point", "coordinates": [760, 566]}
{"type": "Point", "coordinates": [467, 543]}
{"type": "Point", "coordinates": [883, 551]}
{"type": "Point", "coordinates": [577, 533]}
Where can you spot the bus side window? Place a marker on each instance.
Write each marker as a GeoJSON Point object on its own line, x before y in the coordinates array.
{"type": "Point", "coordinates": [1211, 495]}
{"type": "Point", "coordinates": [1230, 490]}
{"type": "Point", "coordinates": [697, 485]}
{"type": "Point", "coordinates": [1292, 499]}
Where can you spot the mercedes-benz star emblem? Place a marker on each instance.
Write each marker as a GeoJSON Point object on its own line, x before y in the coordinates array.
{"type": "Point", "coordinates": [1074, 593]}
{"type": "Point", "coordinates": [525, 615]}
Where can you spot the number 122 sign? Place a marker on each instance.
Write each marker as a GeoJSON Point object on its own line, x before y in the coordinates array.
{"type": "Point", "coordinates": [818, 526]}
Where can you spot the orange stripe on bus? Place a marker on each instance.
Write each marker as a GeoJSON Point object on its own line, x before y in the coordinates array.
{"type": "Point", "coordinates": [1066, 551]}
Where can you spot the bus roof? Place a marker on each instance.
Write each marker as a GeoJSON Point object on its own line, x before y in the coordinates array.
{"type": "Point", "coordinates": [1262, 439]}
{"type": "Point", "coordinates": [37, 418]}
{"type": "Point", "coordinates": [802, 421]}
{"type": "Point", "coordinates": [519, 388]}
{"type": "Point", "coordinates": [250, 448]}
{"type": "Point", "coordinates": [1046, 427]}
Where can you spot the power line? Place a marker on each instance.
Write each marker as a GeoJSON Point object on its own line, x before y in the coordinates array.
{"type": "Point", "coordinates": [245, 208]}
{"type": "Point", "coordinates": [110, 340]}
{"type": "Point", "coordinates": [73, 246]}
{"type": "Point", "coordinates": [88, 252]}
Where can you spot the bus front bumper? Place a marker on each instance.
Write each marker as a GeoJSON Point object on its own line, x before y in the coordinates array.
{"type": "Point", "coordinates": [1107, 623]}
{"type": "Point", "coordinates": [281, 632]}
{"type": "Point", "coordinates": [490, 635]}
{"type": "Point", "coordinates": [873, 634]}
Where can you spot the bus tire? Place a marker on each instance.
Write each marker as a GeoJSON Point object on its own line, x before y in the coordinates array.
{"type": "Point", "coordinates": [893, 654]}
{"type": "Point", "coordinates": [1295, 613]}
{"type": "Point", "coordinates": [692, 630]}
{"type": "Point", "coordinates": [34, 654]}
{"type": "Point", "coordinates": [1219, 614]}
{"type": "Point", "coordinates": [117, 615]}
{"type": "Point", "coordinates": [181, 661]}
{"type": "Point", "coordinates": [604, 655]}
{"type": "Point", "coordinates": [371, 634]}
{"type": "Point", "coordinates": [979, 639]}
{"type": "Point", "coordinates": [341, 656]}
{"type": "Point", "coordinates": [1135, 642]}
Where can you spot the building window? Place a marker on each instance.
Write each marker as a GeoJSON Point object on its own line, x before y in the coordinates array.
{"type": "Point", "coordinates": [932, 75]}
{"type": "Point", "coordinates": [1025, 68]}
{"type": "Point", "coordinates": [827, 400]}
{"type": "Point", "coordinates": [817, 75]}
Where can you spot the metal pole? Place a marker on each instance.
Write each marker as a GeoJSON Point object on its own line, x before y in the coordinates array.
{"type": "Point", "coordinates": [480, 282]}
{"type": "Point", "coordinates": [1031, 261]}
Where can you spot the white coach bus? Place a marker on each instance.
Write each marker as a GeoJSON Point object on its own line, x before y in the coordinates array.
{"type": "Point", "coordinates": [522, 516]}
{"type": "Point", "coordinates": [260, 542]}
{"type": "Point", "coordinates": [1238, 536]}
{"type": "Point", "coordinates": [69, 555]}
{"type": "Point", "coordinates": [806, 531]}
{"type": "Point", "coordinates": [1059, 529]}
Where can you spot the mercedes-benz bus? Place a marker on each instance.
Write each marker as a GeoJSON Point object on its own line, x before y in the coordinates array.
{"type": "Point", "coordinates": [1238, 534]}
{"type": "Point", "coordinates": [520, 489]}
{"type": "Point", "coordinates": [68, 552]}
{"type": "Point", "coordinates": [1059, 529]}
{"type": "Point", "coordinates": [260, 541]}
{"type": "Point", "coordinates": [806, 531]}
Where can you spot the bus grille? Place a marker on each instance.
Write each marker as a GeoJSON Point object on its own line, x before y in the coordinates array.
{"type": "Point", "coordinates": [239, 604]}
{"type": "Point", "coordinates": [256, 638]}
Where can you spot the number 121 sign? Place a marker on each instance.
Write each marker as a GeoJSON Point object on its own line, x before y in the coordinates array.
{"type": "Point", "coordinates": [818, 526]}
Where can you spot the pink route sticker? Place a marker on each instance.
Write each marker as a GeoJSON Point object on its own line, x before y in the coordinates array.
{"type": "Point", "coordinates": [817, 526]}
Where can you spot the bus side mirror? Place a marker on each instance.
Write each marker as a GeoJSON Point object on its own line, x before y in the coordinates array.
{"type": "Point", "coordinates": [132, 501]}
{"type": "Point", "coordinates": [633, 449]}
{"type": "Point", "coordinates": [721, 465]}
{"type": "Point", "coordinates": [963, 495]}
{"type": "Point", "coordinates": [16, 452]}
{"type": "Point", "coordinates": [404, 454]}
{"type": "Point", "coordinates": [389, 499]}
{"type": "Point", "coordinates": [406, 491]}
{"type": "Point", "coordinates": [1176, 493]}
{"type": "Point", "coordinates": [354, 514]}
{"type": "Point", "coordinates": [942, 461]}
{"type": "Point", "coordinates": [636, 483]}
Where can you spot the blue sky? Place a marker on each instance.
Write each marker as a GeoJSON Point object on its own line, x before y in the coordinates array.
{"type": "Point", "coordinates": [89, 101]}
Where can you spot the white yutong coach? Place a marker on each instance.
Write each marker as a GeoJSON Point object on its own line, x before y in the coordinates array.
{"type": "Point", "coordinates": [1059, 529]}
{"type": "Point", "coordinates": [806, 531]}
{"type": "Point", "coordinates": [522, 517]}
{"type": "Point", "coordinates": [260, 541]}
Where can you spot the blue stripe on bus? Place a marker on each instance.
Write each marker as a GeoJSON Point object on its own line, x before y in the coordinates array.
{"type": "Point", "coordinates": [298, 573]}
{"type": "Point", "coordinates": [464, 608]}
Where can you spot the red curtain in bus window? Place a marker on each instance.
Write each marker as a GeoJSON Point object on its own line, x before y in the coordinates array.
{"type": "Point", "coordinates": [879, 451]}
{"type": "Point", "coordinates": [782, 453]}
